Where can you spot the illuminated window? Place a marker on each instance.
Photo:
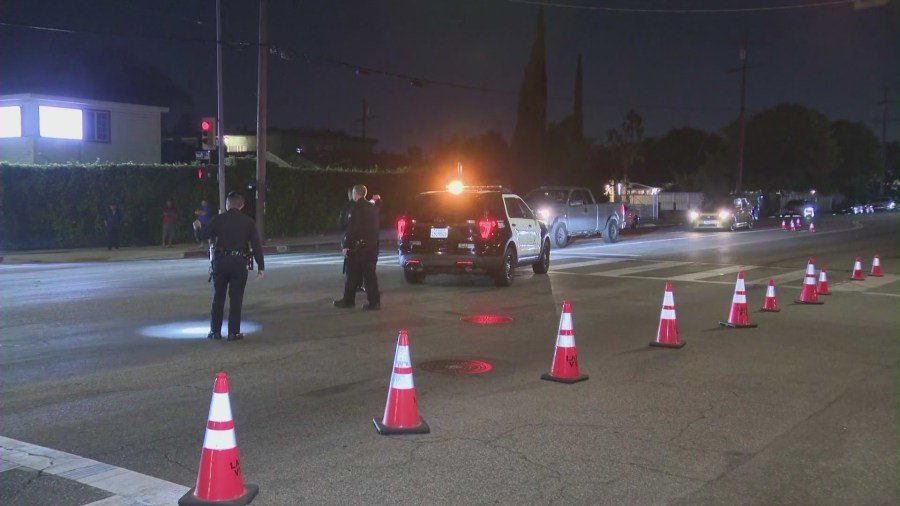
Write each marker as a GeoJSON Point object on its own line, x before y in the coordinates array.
{"type": "Point", "coordinates": [60, 122]}
{"type": "Point", "coordinates": [11, 121]}
{"type": "Point", "coordinates": [96, 125]}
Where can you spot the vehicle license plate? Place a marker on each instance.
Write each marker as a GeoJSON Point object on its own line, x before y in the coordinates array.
{"type": "Point", "coordinates": [439, 233]}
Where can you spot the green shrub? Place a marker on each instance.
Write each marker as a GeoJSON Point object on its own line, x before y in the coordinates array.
{"type": "Point", "coordinates": [62, 206]}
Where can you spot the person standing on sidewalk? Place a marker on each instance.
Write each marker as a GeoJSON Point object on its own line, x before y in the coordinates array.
{"type": "Point", "coordinates": [169, 218]}
{"type": "Point", "coordinates": [360, 247]}
{"type": "Point", "coordinates": [203, 215]}
{"type": "Point", "coordinates": [113, 221]}
{"type": "Point", "coordinates": [233, 235]}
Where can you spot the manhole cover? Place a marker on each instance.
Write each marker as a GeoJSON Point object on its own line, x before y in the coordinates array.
{"type": "Point", "coordinates": [487, 319]}
{"type": "Point", "coordinates": [457, 367]}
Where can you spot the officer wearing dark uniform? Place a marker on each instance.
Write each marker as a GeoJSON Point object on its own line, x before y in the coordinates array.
{"type": "Point", "coordinates": [231, 233]}
{"type": "Point", "coordinates": [360, 246]}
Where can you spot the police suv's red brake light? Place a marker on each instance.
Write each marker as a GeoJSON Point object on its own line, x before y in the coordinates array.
{"type": "Point", "coordinates": [486, 227]}
{"type": "Point", "coordinates": [402, 225]}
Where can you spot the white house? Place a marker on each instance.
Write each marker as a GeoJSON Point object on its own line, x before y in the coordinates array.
{"type": "Point", "coordinates": [47, 129]}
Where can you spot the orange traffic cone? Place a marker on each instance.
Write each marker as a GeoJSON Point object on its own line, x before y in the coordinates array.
{"type": "Point", "coordinates": [822, 287]}
{"type": "Point", "coordinates": [808, 294]}
{"type": "Point", "coordinates": [667, 332]}
{"type": "Point", "coordinates": [770, 304]}
{"type": "Point", "coordinates": [401, 412]}
{"type": "Point", "coordinates": [857, 271]}
{"type": "Point", "coordinates": [793, 227]}
{"type": "Point", "coordinates": [783, 225]}
{"type": "Point", "coordinates": [564, 368]}
{"type": "Point", "coordinates": [811, 228]}
{"type": "Point", "coordinates": [219, 480]}
{"type": "Point", "coordinates": [876, 267]}
{"type": "Point", "coordinates": [738, 317]}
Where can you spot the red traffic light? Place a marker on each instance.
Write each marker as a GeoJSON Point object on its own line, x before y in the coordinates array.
{"type": "Point", "coordinates": [199, 172]}
{"type": "Point", "coordinates": [205, 125]}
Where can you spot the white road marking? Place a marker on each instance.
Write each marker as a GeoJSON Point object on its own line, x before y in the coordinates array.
{"type": "Point", "coordinates": [862, 286]}
{"type": "Point", "coordinates": [694, 276]}
{"type": "Point", "coordinates": [586, 263]}
{"type": "Point", "coordinates": [649, 266]}
{"type": "Point", "coordinates": [787, 277]}
{"type": "Point", "coordinates": [127, 487]}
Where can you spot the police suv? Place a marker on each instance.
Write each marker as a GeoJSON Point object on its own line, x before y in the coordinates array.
{"type": "Point", "coordinates": [471, 230]}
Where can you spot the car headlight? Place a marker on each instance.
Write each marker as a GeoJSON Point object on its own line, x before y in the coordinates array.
{"type": "Point", "coordinates": [724, 214]}
{"type": "Point", "coordinates": [693, 215]}
{"type": "Point", "coordinates": [807, 210]}
{"type": "Point", "coordinates": [544, 213]}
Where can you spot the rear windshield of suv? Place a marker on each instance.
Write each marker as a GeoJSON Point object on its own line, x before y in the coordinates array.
{"type": "Point", "coordinates": [449, 208]}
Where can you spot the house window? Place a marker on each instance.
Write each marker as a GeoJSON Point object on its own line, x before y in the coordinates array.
{"type": "Point", "coordinates": [60, 122]}
{"type": "Point", "coordinates": [11, 121]}
{"type": "Point", "coordinates": [96, 125]}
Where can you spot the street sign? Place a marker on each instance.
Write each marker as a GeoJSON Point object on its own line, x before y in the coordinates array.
{"type": "Point", "coordinates": [202, 155]}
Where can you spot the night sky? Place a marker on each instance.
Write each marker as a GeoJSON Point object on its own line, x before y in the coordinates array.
{"type": "Point", "coordinates": [671, 68]}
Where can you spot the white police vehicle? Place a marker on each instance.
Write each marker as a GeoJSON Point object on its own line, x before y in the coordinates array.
{"type": "Point", "coordinates": [471, 230]}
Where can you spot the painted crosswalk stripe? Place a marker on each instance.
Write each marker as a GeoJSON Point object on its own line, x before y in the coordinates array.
{"type": "Point", "coordinates": [586, 263]}
{"type": "Point", "coordinates": [780, 279]}
{"type": "Point", "coordinates": [861, 286]}
{"type": "Point", "coordinates": [649, 266]}
{"type": "Point", "coordinates": [127, 487]}
{"type": "Point", "coordinates": [694, 276]}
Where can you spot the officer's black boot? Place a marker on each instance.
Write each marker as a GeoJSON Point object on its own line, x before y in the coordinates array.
{"type": "Point", "coordinates": [214, 335]}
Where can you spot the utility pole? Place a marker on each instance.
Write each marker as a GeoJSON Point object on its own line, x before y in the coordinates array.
{"type": "Point", "coordinates": [365, 115]}
{"type": "Point", "coordinates": [739, 177]}
{"type": "Point", "coordinates": [220, 128]}
{"type": "Point", "coordinates": [884, 122]}
{"type": "Point", "coordinates": [261, 120]}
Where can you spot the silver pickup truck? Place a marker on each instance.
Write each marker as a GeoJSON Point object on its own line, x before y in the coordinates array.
{"type": "Point", "coordinates": [572, 211]}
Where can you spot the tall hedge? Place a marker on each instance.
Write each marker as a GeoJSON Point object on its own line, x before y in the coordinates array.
{"type": "Point", "coordinates": [63, 206]}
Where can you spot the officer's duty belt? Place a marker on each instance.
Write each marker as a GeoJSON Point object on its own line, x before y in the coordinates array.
{"type": "Point", "coordinates": [231, 252]}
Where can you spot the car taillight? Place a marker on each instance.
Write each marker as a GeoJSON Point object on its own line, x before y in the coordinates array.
{"type": "Point", "coordinates": [486, 227]}
{"type": "Point", "coordinates": [402, 224]}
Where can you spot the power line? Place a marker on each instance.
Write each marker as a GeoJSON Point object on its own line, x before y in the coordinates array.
{"type": "Point", "coordinates": [360, 70]}
{"type": "Point", "coordinates": [634, 10]}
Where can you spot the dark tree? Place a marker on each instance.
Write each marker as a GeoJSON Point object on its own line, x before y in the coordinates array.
{"type": "Point", "coordinates": [859, 167]}
{"type": "Point", "coordinates": [531, 118]}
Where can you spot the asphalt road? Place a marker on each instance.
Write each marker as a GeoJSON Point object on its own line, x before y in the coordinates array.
{"type": "Point", "coordinates": [107, 361]}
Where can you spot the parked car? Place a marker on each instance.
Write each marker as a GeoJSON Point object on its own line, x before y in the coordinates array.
{"type": "Point", "coordinates": [884, 204]}
{"type": "Point", "coordinates": [722, 213]}
{"type": "Point", "coordinates": [799, 209]}
{"type": "Point", "coordinates": [854, 207]}
{"type": "Point", "coordinates": [475, 230]}
{"type": "Point", "coordinates": [571, 211]}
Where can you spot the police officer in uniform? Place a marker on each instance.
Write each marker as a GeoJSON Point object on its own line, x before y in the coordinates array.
{"type": "Point", "coordinates": [232, 233]}
{"type": "Point", "coordinates": [360, 247]}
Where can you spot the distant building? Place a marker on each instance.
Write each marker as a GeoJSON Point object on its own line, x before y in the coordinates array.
{"type": "Point", "coordinates": [323, 146]}
{"type": "Point", "coordinates": [55, 129]}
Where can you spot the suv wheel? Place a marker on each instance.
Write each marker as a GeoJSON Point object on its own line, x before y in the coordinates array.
{"type": "Point", "coordinates": [504, 276]}
{"type": "Point", "coordinates": [560, 235]}
{"type": "Point", "coordinates": [543, 263]}
{"type": "Point", "coordinates": [750, 224]}
{"type": "Point", "coordinates": [733, 226]}
{"type": "Point", "coordinates": [414, 278]}
{"type": "Point", "coordinates": [611, 234]}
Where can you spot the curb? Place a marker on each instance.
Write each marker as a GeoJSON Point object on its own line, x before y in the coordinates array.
{"type": "Point", "coordinates": [289, 248]}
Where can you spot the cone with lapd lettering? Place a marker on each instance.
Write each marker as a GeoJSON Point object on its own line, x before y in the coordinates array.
{"type": "Point", "coordinates": [793, 226]}
{"type": "Point", "coordinates": [667, 332]}
{"type": "Point", "coordinates": [564, 368]}
{"type": "Point", "coordinates": [770, 304]}
{"type": "Point", "coordinates": [219, 480]}
{"type": "Point", "coordinates": [737, 316]}
{"type": "Point", "coordinates": [876, 267]}
{"type": "Point", "coordinates": [812, 228]}
{"type": "Point", "coordinates": [822, 286]}
{"type": "Point", "coordinates": [857, 274]}
{"type": "Point", "coordinates": [783, 225]}
{"type": "Point", "coordinates": [808, 294]}
{"type": "Point", "coordinates": [401, 411]}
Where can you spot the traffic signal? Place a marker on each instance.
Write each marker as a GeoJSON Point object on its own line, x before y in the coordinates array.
{"type": "Point", "coordinates": [208, 133]}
